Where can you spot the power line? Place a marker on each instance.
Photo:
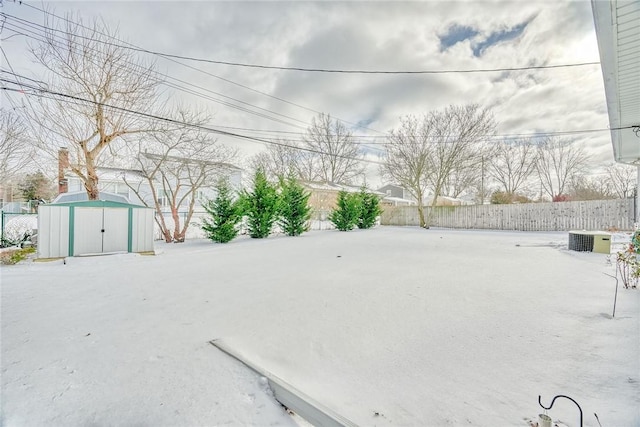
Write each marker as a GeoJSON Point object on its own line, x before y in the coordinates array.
{"type": "Point", "coordinates": [31, 25]}
{"type": "Point", "coordinates": [171, 58]}
{"type": "Point", "coordinates": [38, 92]}
{"type": "Point", "coordinates": [138, 48]}
{"type": "Point", "coordinates": [11, 27]}
{"type": "Point", "coordinates": [342, 71]}
{"type": "Point", "coordinates": [258, 114]}
{"type": "Point", "coordinates": [298, 136]}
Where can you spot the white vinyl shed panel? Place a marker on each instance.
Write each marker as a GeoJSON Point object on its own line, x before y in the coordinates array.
{"type": "Point", "coordinates": [53, 231]}
{"type": "Point", "coordinates": [87, 235]}
{"type": "Point", "coordinates": [142, 230]}
{"type": "Point", "coordinates": [116, 230]}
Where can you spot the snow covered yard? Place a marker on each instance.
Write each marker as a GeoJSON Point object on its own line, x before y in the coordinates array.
{"type": "Point", "coordinates": [391, 326]}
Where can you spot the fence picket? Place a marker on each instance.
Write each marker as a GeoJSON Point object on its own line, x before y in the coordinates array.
{"type": "Point", "coordinates": [559, 216]}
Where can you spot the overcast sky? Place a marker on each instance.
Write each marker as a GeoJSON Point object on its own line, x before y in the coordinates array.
{"type": "Point", "coordinates": [368, 36]}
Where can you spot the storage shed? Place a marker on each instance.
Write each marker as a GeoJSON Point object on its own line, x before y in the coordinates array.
{"type": "Point", "coordinates": [93, 227]}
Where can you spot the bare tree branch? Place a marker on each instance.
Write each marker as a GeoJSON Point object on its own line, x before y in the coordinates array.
{"type": "Point", "coordinates": [622, 179]}
{"type": "Point", "coordinates": [178, 162]}
{"type": "Point", "coordinates": [82, 65]}
{"type": "Point", "coordinates": [336, 156]}
{"type": "Point", "coordinates": [407, 158]}
{"type": "Point", "coordinates": [15, 150]}
{"type": "Point", "coordinates": [512, 163]}
{"type": "Point", "coordinates": [558, 162]}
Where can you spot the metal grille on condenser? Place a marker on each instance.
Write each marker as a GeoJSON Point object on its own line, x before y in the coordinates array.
{"type": "Point", "coordinates": [580, 242]}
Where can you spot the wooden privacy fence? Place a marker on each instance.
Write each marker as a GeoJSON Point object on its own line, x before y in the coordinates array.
{"type": "Point", "coordinates": [559, 216]}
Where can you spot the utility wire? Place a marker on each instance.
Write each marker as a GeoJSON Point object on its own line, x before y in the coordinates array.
{"type": "Point", "coordinates": [11, 27]}
{"type": "Point", "coordinates": [132, 46]}
{"type": "Point", "coordinates": [342, 71]}
{"type": "Point", "coordinates": [29, 23]}
{"type": "Point", "coordinates": [39, 91]}
{"type": "Point", "coordinates": [291, 136]}
{"type": "Point", "coordinates": [256, 130]}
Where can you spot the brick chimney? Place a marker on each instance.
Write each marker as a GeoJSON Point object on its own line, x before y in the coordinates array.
{"type": "Point", "coordinates": [63, 164]}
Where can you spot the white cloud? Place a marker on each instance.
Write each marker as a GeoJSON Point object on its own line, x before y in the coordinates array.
{"type": "Point", "coordinates": [375, 36]}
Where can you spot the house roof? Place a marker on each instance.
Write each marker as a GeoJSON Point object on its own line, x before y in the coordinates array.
{"type": "Point", "coordinates": [330, 186]}
{"type": "Point", "coordinates": [399, 200]}
{"type": "Point", "coordinates": [111, 174]}
{"type": "Point", "coordinates": [618, 33]}
{"type": "Point", "coordinates": [153, 156]}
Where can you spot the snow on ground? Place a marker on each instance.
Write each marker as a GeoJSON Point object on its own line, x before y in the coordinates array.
{"type": "Point", "coordinates": [422, 327]}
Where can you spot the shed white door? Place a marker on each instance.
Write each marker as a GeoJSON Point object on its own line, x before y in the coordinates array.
{"type": "Point", "coordinates": [99, 230]}
{"type": "Point", "coordinates": [116, 230]}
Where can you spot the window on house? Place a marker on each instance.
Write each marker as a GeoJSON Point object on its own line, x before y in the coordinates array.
{"type": "Point", "coordinates": [163, 198]}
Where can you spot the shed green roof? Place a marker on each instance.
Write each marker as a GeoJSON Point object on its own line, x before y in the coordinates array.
{"type": "Point", "coordinates": [99, 204]}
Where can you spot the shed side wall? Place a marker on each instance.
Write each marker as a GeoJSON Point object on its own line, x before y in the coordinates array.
{"type": "Point", "coordinates": [142, 230]}
{"type": "Point", "coordinates": [53, 231]}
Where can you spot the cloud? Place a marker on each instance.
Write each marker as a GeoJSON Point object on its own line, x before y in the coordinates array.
{"type": "Point", "coordinates": [371, 36]}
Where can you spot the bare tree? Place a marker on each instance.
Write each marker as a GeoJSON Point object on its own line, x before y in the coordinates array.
{"type": "Point", "coordinates": [284, 159]}
{"type": "Point", "coordinates": [455, 132]}
{"type": "Point", "coordinates": [15, 150]}
{"type": "Point", "coordinates": [511, 164]}
{"type": "Point", "coordinates": [589, 188]}
{"type": "Point", "coordinates": [106, 82]}
{"type": "Point", "coordinates": [336, 153]}
{"type": "Point", "coordinates": [464, 178]}
{"type": "Point", "coordinates": [622, 179]}
{"type": "Point", "coordinates": [558, 162]}
{"type": "Point", "coordinates": [175, 165]}
{"type": "Point", "coordinates": [407, 158]}
{"type": "Point", "coordinates": [427, 153]}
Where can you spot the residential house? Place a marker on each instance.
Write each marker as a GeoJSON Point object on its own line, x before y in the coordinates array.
{"type": "Point", "coordinates": [133, 185]}
{"type": "Point", "coordinates": [395, 195]}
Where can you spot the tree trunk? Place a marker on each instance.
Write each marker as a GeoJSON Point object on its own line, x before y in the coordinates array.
{"type": "Point", "coordinates": [91, 185]}
{"type": "Point", "coordinates": [432, 208]}
{"type": "Point", "coordinates": [421, 215]}
{"type": "Point", "coordinates": [91, 182]}
{"type": "Point", "coordinates": [176, 225]}
{"type": "Point", "coordinates": [183, 233]}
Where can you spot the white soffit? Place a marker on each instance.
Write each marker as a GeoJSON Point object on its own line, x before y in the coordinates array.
{"type": "Point", "coordinates": [617, 24]}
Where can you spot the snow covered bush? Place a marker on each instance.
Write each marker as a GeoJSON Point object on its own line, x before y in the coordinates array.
{"type": "Point", "coordinates": [224, 215]}
{"type": "Point", "coordinates": [369, 209]}
{"type": "Point", "coordinates": [627, 262]}
{"type": "Point", "coordinates": [294, 212]}
{"type": "Point", "coordinates": [19, 229]}
{"type": "Point", "coordinates": [260, 206]}
{"type": "Point", "coordinates": [345, 215]}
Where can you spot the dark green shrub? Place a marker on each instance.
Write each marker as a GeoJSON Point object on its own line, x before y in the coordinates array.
{"type": "Point", "coordinates": [345, 215]}
{"type": "Point", "coordinates": [260, 206]}
{"type": "Point", "coordinates": [224, 215]}
{"type": "Point", "coordinates": [294, 210]}
{"type": "Point", "coordinates": [369, 209]}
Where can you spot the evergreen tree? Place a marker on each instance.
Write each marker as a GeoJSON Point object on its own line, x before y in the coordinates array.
{"type": "Point", "coordinates": [294, 210]}
{"type": "Point", "coordinates": [260, 206]}
{"type": "Point", "coordinates": [345, 215]}
{"type": "Point", "coordinates": [225, 215]}
{"type": "Point", "coordinates": [36, 186]}
{"type": "Point", "coordinates": [369, 209]}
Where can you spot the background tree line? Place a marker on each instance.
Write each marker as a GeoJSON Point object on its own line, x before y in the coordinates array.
{"type": "Point", "coordinates": [108, 108]}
